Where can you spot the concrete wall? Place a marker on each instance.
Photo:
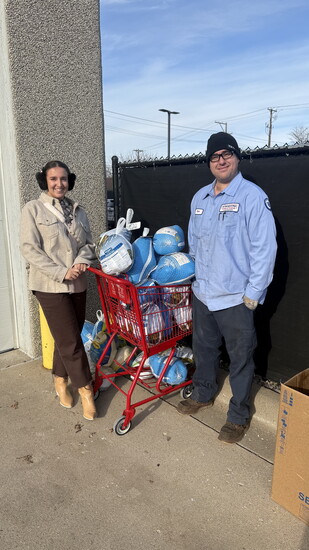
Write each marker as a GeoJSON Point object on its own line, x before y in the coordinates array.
{"type": "Point", "coordinates": [52, 79]}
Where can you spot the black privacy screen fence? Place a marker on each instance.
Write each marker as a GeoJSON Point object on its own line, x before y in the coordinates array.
{"type": "Point", "coordinates": [160, 193]}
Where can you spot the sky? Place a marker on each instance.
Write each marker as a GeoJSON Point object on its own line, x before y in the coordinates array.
{"type": "Point", "coordinates": [220, 65]}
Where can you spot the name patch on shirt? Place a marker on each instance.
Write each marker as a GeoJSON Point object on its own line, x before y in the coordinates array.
{"type": "Point", "coordinates": [232, 207]}
{"type": "Point", "coordinates": [199, 211]}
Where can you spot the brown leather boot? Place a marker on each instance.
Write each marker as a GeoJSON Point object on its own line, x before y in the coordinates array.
{"type": "Point", "coordinates": [61, 387]}
{"type": "Point", "coordinates": [232, 433]}
{"type": "Point", "coordinates": [190, 406]}
{"type": "Point", "coordinates": [86, 394]}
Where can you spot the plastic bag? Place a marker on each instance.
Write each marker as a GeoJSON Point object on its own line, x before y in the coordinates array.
{"type": "Point", "coordinates": [123, 227]}
{"type": "Point", "coordinates": [115, 252]}
{"type": "Point", "coordinates": [175, 295]}
{"type": "Point", "coordinates": [144, 259]}
{"type": "Point", "coordinates": [185, 353]}
{"type": "Point", "coordinates": [146, 371]}
{"type": "Point", "coordinates": [146, 292]}
{"type": "Point", "coordinates": [168, 240]}
{"type": "Point", "coordinates": [153, 323]}
{"type": "Point", "coordinates": [176, 372]}
{"type": "Point", "coordinates": [183, 316]}
{"type": "Point", "coordinates": [86, 333]}
{"type": "Point", "coordinates": [121, 356]}
{"type": "Point", "coordinates": [137, 360]}
{"type": "Point", "coordinates": [174, 268]}
{"type": "Point", "coordinates": [97, 347]}
{"type": "Point", "coordinates": [99, 325]}
{"type": "Point", "coordinates": [107, 381]}
{"type": "Point", "coordinates": [127, 325]}
{"type": "Point", "coordinates": [99, 340]}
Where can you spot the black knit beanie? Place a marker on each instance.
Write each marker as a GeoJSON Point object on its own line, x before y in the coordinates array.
{"type": "Point", "coordinates": [220, 141]}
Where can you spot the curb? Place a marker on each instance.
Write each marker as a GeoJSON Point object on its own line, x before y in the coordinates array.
{"type": "Point", "coordinates": [265, 402]}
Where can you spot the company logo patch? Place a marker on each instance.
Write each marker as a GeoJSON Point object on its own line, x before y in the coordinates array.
{"type": "Point", "coordinates": [267, 204]}
{"type": "Point", "coordinates": [199, 211]}
{"type": "Point", "coordinates": [233, 207]}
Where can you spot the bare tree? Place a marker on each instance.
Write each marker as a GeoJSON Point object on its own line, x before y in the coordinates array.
{"type": "Point", "coordinates": [109, 170]}
{"type": "Point", "coordinates": [300, 134]}
{"type": "Point", "coordinates": [137, 155]}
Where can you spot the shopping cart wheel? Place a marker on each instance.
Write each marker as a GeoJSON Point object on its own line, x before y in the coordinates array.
{"type": "Point", "coordinates": [118, 426]}
{"type": "Point", "coordinates": [96, 395]}
{"type": "Point", "coordinates": [186, 392]}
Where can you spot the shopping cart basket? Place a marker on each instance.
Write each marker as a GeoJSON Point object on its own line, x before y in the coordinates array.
{"type": "Point", "coordinates": [152, 319]}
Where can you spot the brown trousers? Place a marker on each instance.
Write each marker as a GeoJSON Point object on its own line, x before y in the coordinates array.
{"type": "Point", "coordinates": [65, 315]}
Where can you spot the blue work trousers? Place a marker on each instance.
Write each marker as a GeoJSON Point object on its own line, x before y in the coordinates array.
{"type": "Point", "coordinates": [236, 326]}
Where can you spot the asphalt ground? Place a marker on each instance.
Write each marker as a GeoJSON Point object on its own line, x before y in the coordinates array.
{"type": "Point", "coordinates": [169, 483]}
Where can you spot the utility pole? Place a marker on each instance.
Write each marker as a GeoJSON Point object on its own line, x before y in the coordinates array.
{"type": "Point", "coordinates": [270, 125]}
{"type": "Point", "coordinates": [138, 151]}
{"type": "Point", "coordinates": [222, 124]}
{"type": "Point", "coordinates": [169, 113]}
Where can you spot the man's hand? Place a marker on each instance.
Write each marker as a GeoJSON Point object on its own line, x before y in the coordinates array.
{"type": "Point", "coordinates": [250, 304]}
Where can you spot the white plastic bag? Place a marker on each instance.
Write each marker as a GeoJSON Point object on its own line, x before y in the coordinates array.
{"type": "Point", "coordinates": [115, 252]}
{"type": "Point", "coordinates": [183, 317]}
{"type": "Point", "coordinates": [153, 323]}
{"type": "Point", "coordinates": [123, 226]}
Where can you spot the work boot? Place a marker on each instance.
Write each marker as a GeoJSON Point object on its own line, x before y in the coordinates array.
{"type": "Point", "coordinates": [89, 410]}
{"type": "Point", "coordinates": [190, 406]}
{"type": "Point", "coordinates": [61, 387]}
{"type": "Point", "coordinates": [232, 433]}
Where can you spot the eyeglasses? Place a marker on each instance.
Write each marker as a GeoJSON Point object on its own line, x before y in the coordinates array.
{"type": "Point", "coordinates": [225, 155]}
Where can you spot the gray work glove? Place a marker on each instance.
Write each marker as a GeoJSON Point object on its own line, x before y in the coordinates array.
{"type": "Point", "coordinates": [250, 304]}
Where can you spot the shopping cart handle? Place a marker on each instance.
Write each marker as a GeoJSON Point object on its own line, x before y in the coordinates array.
{"type": "Point", "coordinates": [95, 270]}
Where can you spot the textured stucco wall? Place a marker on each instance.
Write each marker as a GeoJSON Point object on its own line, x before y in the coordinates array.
{"type": "Point", "coordinates": [56, 90]}
{"type": "Point", "coordinates": [17, 322]}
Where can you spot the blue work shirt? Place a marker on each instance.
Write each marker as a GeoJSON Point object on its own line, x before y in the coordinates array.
{"type": "Point", "coordinates": [232, 237]}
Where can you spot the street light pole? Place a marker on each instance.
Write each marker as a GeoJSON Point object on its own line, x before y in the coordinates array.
{"type": "Point", "coordinates": [169, 113]}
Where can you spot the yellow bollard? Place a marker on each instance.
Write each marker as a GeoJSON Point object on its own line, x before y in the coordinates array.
{"type": "Point", "coordinates": [47, 342]}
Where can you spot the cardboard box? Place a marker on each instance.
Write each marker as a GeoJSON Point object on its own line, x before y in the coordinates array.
{"type": "Point", "coordinates": [290, 484]}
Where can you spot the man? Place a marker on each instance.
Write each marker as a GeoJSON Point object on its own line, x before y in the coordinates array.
{"type": "Point", "coordinates": [232, 237]}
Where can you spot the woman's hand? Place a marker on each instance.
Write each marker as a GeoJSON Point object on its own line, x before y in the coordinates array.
{"type": "Point", "coordinates": [75, 271]}
{"type": "Point", "coordinates": [82, 267]}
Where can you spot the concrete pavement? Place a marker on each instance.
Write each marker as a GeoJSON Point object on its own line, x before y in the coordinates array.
{"type": "Point", "coordinates": [167, 484]}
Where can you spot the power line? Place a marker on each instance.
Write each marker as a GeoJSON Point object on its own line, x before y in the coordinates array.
{"type": "Point", "coordinates": [131, 132]}
{"type": "Point", "coordinates": [161, 138]}
{"type": "Point", "coordinates": [154, 122]}
{"type": "Point", "coordinates": [191, 130]}
{"type": "Point", "coordinates": [243, 115]}
{"type": "Point", "coordinates": [234, 117]}
{"type": "Point", "coordinates": [297, 106]}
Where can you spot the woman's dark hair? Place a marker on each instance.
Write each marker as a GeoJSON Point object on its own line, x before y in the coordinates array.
{"type": "Point", "coordinates": [41, 176]}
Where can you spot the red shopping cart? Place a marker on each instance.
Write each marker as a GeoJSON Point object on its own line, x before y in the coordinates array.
{"type": "Point", "coordinates": [152, 319]}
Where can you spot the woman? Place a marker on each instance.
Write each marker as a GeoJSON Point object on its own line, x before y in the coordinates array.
{"type": "Point", "coordinates": [56, 241]}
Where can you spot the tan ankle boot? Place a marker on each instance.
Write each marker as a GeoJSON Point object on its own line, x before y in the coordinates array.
{"type": "Point", "coordinates": [61, 387]}
{"type": "Point", "coordinates": [89, 410]}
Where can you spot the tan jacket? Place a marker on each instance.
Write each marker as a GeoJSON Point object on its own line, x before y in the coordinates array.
{"type": "Point", "coordinates": [51, 247]}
